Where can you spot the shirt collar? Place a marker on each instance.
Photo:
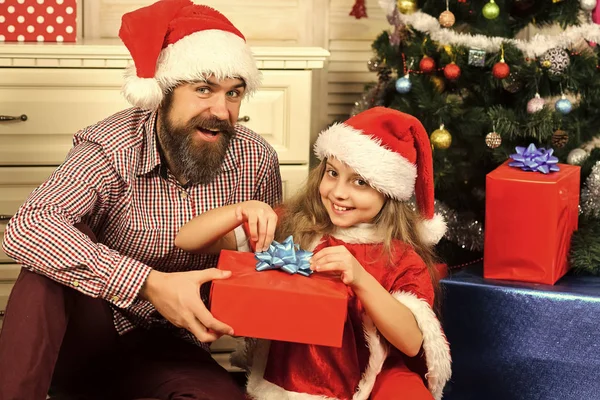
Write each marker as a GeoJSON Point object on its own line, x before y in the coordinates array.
{"type": "Point", "coordinates": [150, 157]}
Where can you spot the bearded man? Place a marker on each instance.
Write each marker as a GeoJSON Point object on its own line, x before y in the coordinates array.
{"type": "Point", "coordinates": [106, 307]}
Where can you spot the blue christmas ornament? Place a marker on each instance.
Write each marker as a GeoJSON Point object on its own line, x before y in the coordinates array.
{"type": "Point", "coordinates": [563, 106]}
{"type": "Point", "coordinates": [403, 85]}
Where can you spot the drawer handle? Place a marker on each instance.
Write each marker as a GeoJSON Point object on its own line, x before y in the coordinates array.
{"type": "Point", "coordinates": [2, 313]}
{"type": "Point", "coordinates": [245, 118]}
{"type": "Point", "coordinates": [21, 117]}
{"type": "Point", "coordinates": [4, 217]}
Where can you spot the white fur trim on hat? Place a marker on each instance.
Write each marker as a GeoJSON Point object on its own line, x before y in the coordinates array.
{"type": "Point", "coordinates": [144, 93]}
{"type": "Point", "coordinates": [193, 58]}
{"type": "Point", "coordinates": [435, 345]}
{"type": "Point", "coordinates": [384, 169]}
{"type": "Point", "coordinates": [432, 230]}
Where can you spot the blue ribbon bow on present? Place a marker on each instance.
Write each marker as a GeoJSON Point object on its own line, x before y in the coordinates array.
{"type": "Point", "coordinates": [534, 159]}
{"type": "Point", "coordinates": [286, 256]}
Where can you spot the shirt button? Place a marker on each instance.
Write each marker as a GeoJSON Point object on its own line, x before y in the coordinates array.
{"type": "Point", "coordinates": [183, 195]}
{"type": "Point", "coordinates": [75, 283]}
{"type": "Point", "coordinates": [115, 299]}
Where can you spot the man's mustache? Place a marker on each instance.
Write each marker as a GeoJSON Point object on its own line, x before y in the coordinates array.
{"type": "Point", "coordinates": [212, 123]}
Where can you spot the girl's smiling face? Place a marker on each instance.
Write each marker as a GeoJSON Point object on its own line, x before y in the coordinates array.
{"type": "Point", "coordinates": [348, 199]}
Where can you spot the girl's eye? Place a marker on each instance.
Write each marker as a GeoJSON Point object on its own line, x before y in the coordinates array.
{"type": "Point", "coordinates": [332, 173]}
{"type": "Point", "coordinates": [360, 182]}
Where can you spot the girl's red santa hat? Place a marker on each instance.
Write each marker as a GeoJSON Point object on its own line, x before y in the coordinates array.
{"type": "Point", "coordinates": [175, 41]}
{"type": "Point", "coordinates": [391, 151]}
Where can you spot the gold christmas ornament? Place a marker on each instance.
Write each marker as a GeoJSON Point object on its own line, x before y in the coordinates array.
{"type": "Point", "coordinates": [560, 138]}
{"type": "Point", "coordinates": [407, 6]}
{"type": "Point", "coordinates": [493, 140]}
{"type": "Point", "coordinates": [447, 19]}
{"type": "Point", "coordinates": [440, 138]}
{"type": "Point", "coordinates": [439, 83]}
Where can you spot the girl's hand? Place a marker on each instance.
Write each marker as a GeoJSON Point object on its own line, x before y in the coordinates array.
{"type": "Point", "coordinates": [262, 221]}
{"type": "Point", "coordinates": [339, 259]}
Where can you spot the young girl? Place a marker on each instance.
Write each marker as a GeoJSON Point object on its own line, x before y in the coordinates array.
{"type": "Point", "coordinates": [354, 215]}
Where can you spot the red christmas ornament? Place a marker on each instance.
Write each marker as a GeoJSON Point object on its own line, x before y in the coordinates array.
{"type": "Point", "coordinates": [359, 10]}
{"type": "Point", "coordinates": [427, 65]}
{"type": "Point", "coordinates": [452, 71]}
{"type": "Point", "coordinates": [501, 70]}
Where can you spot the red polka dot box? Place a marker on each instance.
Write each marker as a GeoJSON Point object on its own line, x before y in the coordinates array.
{"type": "Point", "coordinates": [38, 20]}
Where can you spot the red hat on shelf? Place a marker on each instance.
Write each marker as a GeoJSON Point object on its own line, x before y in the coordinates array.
{"type": "Point", "coordinates": [174, 41]}
{"type": "Point", "coordinates": [392, 152]}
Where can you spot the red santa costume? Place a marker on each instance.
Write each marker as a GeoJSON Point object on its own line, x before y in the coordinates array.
{"type": "Point", "coordinates": [391, 151]}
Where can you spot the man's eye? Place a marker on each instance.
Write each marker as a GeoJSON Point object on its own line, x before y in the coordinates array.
{"type": "Point", "coordinates": [203, 90]}
{"type": "Point", "coordinates": [233, 93]}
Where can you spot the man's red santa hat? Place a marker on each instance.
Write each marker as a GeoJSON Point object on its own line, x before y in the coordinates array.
{"type": "Point", "coordinates": [174, 41]}
{"type": "Point", "coordinates": [392, 152]}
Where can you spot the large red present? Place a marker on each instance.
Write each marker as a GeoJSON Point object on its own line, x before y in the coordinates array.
{"type": "Point", "coordinates": [38, 21]}
{"type": "Point", "coordinates": [529, 220]}
{"type": "Point", "coordinates": [279, 306]}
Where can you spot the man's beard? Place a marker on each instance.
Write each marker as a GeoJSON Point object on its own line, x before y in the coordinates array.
{"type": "Point", "coordinates": [199, 162]}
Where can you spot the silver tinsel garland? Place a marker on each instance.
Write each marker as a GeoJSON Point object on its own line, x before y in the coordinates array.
{"type": "Point", "coordinates": [462, 230]}
{"type": "Point", "coordinates": [590, 194]}
{"type": "Point", "coordinates": [465, 231]}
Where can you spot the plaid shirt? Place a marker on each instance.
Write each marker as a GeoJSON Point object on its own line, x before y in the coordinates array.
{"type": "Point", "coordinates": [113, 180]}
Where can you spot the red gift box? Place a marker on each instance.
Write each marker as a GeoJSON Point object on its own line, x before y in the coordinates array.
{"type": "Point", "coordinates": [38, 20]}
{"type": "Point", "coordinates": [529, 220]}
{"type": "Point", "coordinates": [279, 306]}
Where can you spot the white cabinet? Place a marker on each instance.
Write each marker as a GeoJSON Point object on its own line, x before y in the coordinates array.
{"type": "Point", "coordinates": [54, 90]}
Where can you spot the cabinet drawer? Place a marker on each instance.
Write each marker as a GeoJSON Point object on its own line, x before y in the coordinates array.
{"type": "Point", "coordinates": [10, 272]}
{"type": "Point", "coordinates": [280, 112]}
{"type": "Point", "coordinates": [16, 183]}
{"type": "Point", "coordinates": [292, 178]}
{"type": "Point", "coordinates": [60, 102]}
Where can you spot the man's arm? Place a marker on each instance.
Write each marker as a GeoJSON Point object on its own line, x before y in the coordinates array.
{"type": "Point", "coordinates": [42, 235]}
{"type": "Point", "coordinates": [269, 189]}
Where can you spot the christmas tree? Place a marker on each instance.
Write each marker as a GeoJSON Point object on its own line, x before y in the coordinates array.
{"type": "Point", "coordinates": [460, 67]}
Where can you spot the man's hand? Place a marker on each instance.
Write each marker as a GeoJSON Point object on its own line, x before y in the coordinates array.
{"type": "Point", "coordinates": [176, 296]}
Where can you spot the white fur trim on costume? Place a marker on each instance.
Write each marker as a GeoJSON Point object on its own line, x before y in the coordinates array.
{"type": "Point", "coordinates": [437, 349]}
{"type": "Point", "coordinates": [144, 93]}
{"type": "Point", "coordinates": [384, 169]}
{"type": "Point", "coordinates": [432, 230]}
{"type": "Point", "coordinates": [195, 57]}
{"type": "Point", "coordinates": [377, 354]}
{"type": "Point", "coordinates": [359, 233]}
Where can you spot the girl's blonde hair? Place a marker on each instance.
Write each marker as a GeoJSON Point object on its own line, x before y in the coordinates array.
{"type": "Point", "coordinates": [305, 217]}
